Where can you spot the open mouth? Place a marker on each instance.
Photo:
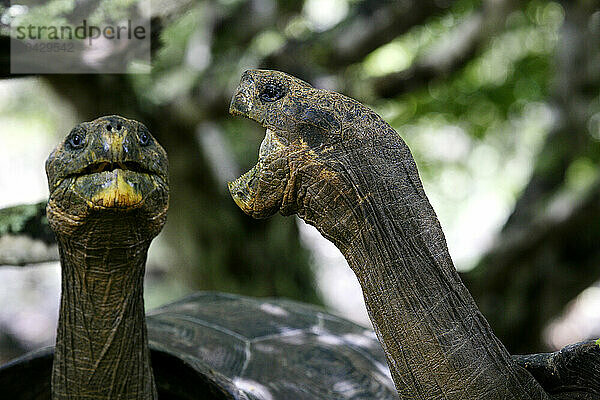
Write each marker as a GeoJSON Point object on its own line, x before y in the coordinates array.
{"type": "Point", "coordinates": [243, 186]}
{"type": "Point", "coordinates": [258, 192]}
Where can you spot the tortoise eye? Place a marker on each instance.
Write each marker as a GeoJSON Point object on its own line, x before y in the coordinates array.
{"type": "Point", "coordinates": [272, 92]}
{"type": "Point", "coordinates": [76, 141]}
{"type": "Point", "coordinates": [144, 138]}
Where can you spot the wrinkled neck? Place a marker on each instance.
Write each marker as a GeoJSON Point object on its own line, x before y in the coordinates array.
{"type": "Point", "coordinates": [101, 345]}
{"type": "Point", "coordinates": [438, 344]}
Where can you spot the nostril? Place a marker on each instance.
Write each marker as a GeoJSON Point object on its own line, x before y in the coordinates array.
{"type": "Point", "coordinates": [117, 126]}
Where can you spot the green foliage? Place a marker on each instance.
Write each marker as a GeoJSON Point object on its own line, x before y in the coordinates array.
{"type": "Point", "coordinates": [13, 219]}
{"type": "Point", "coordinates": [27, 219]}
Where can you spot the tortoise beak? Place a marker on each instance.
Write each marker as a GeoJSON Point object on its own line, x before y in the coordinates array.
{"type": "Point", "coordinates": [241, 102]}
{"type": "Point", "coordinates": [242, 191]}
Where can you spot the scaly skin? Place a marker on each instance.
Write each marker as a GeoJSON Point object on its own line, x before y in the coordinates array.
{"type": "Point", "coordinates": [341, 168]}
{"type": "Point", "coordinates": [104, 222]}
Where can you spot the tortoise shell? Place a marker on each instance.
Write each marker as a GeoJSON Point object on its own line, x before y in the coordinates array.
{"type": "Point", "coordinates": [224, 346]}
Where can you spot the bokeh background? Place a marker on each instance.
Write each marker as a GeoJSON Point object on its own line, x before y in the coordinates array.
{"type": "Point", "coordinates": [498, 99]}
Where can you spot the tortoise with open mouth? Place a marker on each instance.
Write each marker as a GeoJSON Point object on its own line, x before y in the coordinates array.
{"type": "Point", "coordinates": [340, 167]}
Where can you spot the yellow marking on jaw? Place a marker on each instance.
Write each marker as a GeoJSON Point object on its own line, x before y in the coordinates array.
{"type": "Point", "coordinates": [119, 194]}
{"type": "Point", "coordinates": [239, 202]}
{"type": "Point", "coordinates": [240, 185]}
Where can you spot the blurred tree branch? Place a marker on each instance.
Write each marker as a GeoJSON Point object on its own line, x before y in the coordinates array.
{"type": "Point", "coordinates": [26, 219]}
{"type": "Point", "coordinates": [25, 237]}
{"type": "Point", "coordinates": [451, 54]}
{"type": "Point", "coordinates": [369, 27]}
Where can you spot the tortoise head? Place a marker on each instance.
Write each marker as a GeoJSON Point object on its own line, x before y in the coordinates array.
{"type": "Point", "coordinates": [300, 124]}
{"type": "Point", "coordinates": [109, 167]}
{"type": "Point", "coordinates": [309, 131]}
